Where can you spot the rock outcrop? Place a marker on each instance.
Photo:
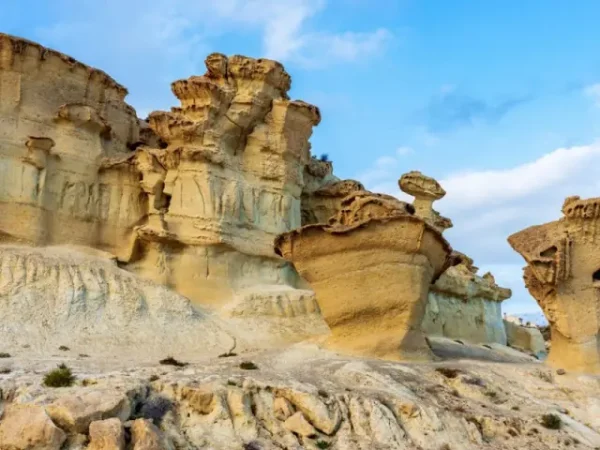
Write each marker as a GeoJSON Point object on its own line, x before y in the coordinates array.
{"type": "Point", "coordinates": [307, 398]}
{"type": "Point", "coordinates": [59, 121]}
{"type": "Point", "coordinates": [59, 296]}
{"type": "Point", "coordinates": [526, 339]}
{"type": "Point", "coordinates": [191, 199]}
{"type": "Point", "coordinates": [227, 182]}
{"type": "Point", "coordinates": [463, 305]}
{"type": "Point", "coordinates": [425, 190]}
{"type": "Point", "coordinates": [371, 267]}
{"type": "Point", "coordinates": [562, 273]}
{"type": "Point", "coordinates": [323, 193]}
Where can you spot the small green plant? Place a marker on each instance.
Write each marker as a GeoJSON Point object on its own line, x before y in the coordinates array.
{"type": "Point", "coordinates": [5, 371]}
{"type": "Point", "coordinates": [83, 355]}
{"type": "Point", "coordinates": [59, 377]}
{"type": "Point", "coordinates": [4, 355]}
{"type": "Point", "coordinates": [516, 408]}
{"type": "Point", "coordinates": [153, 378]}
{"type": "Point", "coordinates": [231, 383]}
{"type": "Point", "coordinates": [323, 444]}
{"type": "Point", "coordinates": [248, 365]}
{"type": "Point", "coordinates": [64, 348]}
{"type": "Point", "coordinates": [87, 382]}
{"type": "Point", "coordinates": [170, 361]}
{"type": "Point", "coordinates": [551, 421]}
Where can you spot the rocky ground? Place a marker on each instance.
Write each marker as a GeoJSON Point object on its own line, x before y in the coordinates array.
{"type": "Point", "coordinates": [300, 398]}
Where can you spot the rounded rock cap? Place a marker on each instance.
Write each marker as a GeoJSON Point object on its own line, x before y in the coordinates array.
{"type": "Point", "coordinates": [420, 186]}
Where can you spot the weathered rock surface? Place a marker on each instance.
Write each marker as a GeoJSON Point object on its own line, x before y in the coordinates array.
{"type": "Point", "coordinates": [228, 181]}
{"type": "Point", "coordinates": [28, 427]}
{"type": "Point", "coordinates": [75, 413]}
{"type": "Point", "coordinates": [323, 193]}
{"type": "Point", "coordinates": [192, 199]}
{"type": "Point", "coordinates": [371, 268]}
{"type": "Point", "coordinates": [425, 190]}
{"type": "Point", "coordinates": [349, 403]}
{"type": "Point", "coordinates": [55, 296]}
{"type": "Point", "coordinates": [106, 434]}
{"type": "Point", "coordinates": [527, 339]}
{"type": "Point", "coordinates": [562, 273]}
{"type": "Point", "coordinates": [58, 120]}
{"type": "Point", "coordinates": [463, 305]}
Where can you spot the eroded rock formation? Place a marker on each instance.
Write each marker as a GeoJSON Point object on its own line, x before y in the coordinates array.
{"type": "Point", "coordinates": [192, 199]}
{"type": "Point", "coordinates": [425, 190]}
{"type": "Point", "coordinates": [563, 263]}
{"type": "Point", "coordinates": [229, 180]}
{"type": "Point", "coordinates": [371, 267]}
{"type": "Point", "coordinates": [323, 192]}
{"type": "Point", "coordinates": [59, 119]}
{"type": "Point", "coordinates": [463, 305]}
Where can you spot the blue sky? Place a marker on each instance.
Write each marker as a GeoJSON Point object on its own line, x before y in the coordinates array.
{"type": "Point", "coordinates": [499, 100]}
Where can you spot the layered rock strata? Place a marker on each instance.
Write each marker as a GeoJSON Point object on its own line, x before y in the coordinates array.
{"type": "Point", "coordinates": [227, 182]}
{"type": "Point", "coordinates": [562, 273]}
{"type": "Point", "coordinates": [59, 120]}
{"type": "Point", "coordinates": [371, 268]}
{"type": "Point", "coordinates": [192, 198]}
{"type": "Point", "coordinates": [463, 305]}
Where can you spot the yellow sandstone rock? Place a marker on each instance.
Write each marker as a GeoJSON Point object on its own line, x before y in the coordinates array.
{"type": "Point", "coordinates": [562, 274]}
{"type": "Point", "coordinates": [371, 268]}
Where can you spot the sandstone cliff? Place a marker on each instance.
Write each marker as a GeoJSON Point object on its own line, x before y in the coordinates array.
{"type": "Point", "coordinates": [227, 182]}
{"type": "Point", "coordinates": [562, 273]}
{"type": "Point", "coordinates": [59, 120]}
{"type": "Point", "coordinates": [192, 199]}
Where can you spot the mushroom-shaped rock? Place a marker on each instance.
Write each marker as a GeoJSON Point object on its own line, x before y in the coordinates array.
{"type": "Point", "coordinates": [425, 190]}
{"type": "Point", "coordinates": [562, 274]}
{"type": "Point", "coordinates": [371, 267]}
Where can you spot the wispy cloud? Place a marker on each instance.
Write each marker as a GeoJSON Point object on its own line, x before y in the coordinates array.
{"type": "Point", "coordinates": [146, 45]}
{"type": "Point", "coordinates": [384, 169]}
{"type": "Point", "coordinates": [487, 206]}
{"type": "Point", "coordinates": [451, 109]}
{"type": "Point", "coordinates": [593, 92]}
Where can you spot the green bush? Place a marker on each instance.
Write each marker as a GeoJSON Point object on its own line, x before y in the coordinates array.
{"type": "Point", "coordinates": [59, 377]}
{"type": "Point", "coordinates": [551, 421]}
{"type": "Point", "coordinates": [4, 355]}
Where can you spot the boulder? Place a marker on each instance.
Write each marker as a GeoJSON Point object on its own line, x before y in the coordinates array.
{"type": "Point", "coordinates": [28, 427]}
{"type": "Point", "coordinates": [107, 435]}
{"type": "Point", "coordinates": [76, 412]}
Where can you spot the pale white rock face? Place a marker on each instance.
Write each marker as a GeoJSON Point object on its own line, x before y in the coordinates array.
{"type": "Point", "coordinates": [463, 305]}
{"type": "Point", "coordinates": [54, 296]}
{"type": "Point", "coordinates": [477, 320]}
{"type": "Point", "coordinates": [79, 298]}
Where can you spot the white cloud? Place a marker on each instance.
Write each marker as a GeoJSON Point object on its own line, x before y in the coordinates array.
{"type": "Point", "coordinates": [593, 91]}
{"type": "Point", "coordinates": [474, 189]}
{"type": "Point", "coordinates": [147, 45]}
{"type": "Point", "coordinates": [384, 168]}
{"type": "Point", "coordinates": [487, 206]}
